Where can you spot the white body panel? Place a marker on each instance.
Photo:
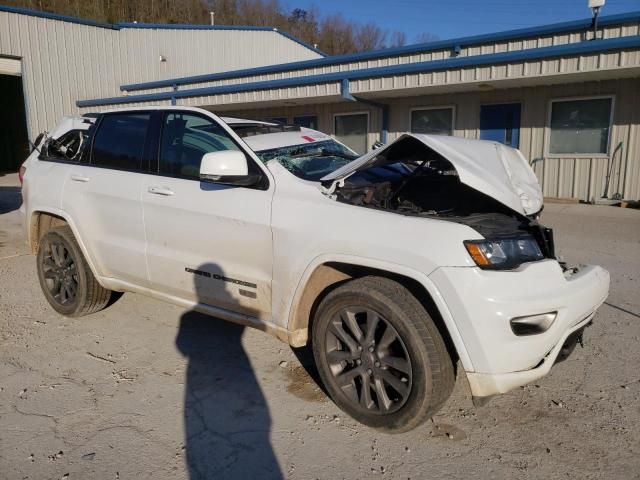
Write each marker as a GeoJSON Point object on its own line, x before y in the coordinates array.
{"type": "Point", "coordinates": [270, 241]}
{"type": "Point", "coordinates": [107, 211]}
{"type": "Point", "coordinates": [210, 228]}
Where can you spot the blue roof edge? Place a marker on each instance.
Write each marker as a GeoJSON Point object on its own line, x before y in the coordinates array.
{"type": "Point", "coordinates": [161, 26]}
{"type": "Point", "coordinates": [422, 67]}
{"type": "Point", "coordinates": [408, 49]}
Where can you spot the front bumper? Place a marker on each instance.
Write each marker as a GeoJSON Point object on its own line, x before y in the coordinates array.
{"type": "Point", "coordinates": [482, 303]}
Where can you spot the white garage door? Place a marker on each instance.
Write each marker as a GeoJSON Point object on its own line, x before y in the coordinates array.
{"type": "Point", "coordinates": [10, 66]}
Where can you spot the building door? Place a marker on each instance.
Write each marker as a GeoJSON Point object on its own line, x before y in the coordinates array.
{"type": "Point", "coordinates": [501, 123]}
{"type": "Point", "coordinates": [14, 143]}
{"type": "Point", "coordinates": [351, 129]}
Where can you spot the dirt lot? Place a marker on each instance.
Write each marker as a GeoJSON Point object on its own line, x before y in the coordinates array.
{"type": "Point", "coordinates": [148, 390]}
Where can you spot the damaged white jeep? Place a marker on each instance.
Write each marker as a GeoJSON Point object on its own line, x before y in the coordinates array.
{"type": "Point", "coordinates": [396, 266]}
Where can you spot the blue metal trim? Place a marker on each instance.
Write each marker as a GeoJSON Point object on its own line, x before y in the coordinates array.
{"type": "Point", "coordinates": [304, 44]}
{"type": "Point", "coordinates": [402, 69]}
{"type": "Point", "coordinates": [389, 52]}
{"type": "Point", "coordinates": [55, 16]}
{"type": "Point", "coordinates": [160, 26]}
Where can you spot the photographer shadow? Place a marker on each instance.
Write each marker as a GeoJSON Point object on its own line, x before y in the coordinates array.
{"type": "Point", "coordinates": [227, 421]}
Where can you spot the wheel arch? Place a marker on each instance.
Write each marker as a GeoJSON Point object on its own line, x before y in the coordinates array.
{"type": "Point", "coordinates": [42, 220]}
{"type": "Point", "coordinates": [325, 274]}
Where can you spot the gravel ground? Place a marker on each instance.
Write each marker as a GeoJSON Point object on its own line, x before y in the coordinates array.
{"type": "Point", "coordinates": [148, 390]}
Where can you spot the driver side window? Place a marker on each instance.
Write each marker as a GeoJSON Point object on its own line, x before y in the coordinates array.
{"type": "Point", "coordinates": [186, 138]}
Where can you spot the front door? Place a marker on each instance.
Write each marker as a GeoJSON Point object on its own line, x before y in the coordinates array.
{"type": "Point", "coordinates": [501, 123]}
{"type": "Point", "coordinates": [206, 242]}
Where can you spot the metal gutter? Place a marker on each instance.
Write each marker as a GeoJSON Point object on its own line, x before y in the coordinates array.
{"type": "Point", "coordinates": [403, 69]}
{"type": "Point", "coordinates": [456, 43]}
{"type": "Point", "coordinates": [346, 94]}
{"type": "Point", "coordinates": [157, 26]}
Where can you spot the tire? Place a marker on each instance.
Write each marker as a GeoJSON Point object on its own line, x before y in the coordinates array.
{"type": "Point", "coordinates": [67, 281]}
{"type": "Point", "coordinates": [403, 364]}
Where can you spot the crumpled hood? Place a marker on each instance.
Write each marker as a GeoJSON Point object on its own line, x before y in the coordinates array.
{"type": "Point", "coordinates": [494, 169]}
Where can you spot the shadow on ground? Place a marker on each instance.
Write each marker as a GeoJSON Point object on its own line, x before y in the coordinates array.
{"type": "Point", "coordinates": [227, 421]}
{"type": "Point", "coordinates": [10, 199]}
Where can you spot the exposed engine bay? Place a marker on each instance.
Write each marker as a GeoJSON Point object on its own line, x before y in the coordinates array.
{"type": "Point", "coordinates": [409, 178]}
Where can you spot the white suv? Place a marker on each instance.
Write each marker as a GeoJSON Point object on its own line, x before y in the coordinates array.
{"type": "Point", "coordinates": [395, 266]}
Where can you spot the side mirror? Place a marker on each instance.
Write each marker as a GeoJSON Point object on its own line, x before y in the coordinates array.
{"type": "Point", "coordinates": [227, 167]}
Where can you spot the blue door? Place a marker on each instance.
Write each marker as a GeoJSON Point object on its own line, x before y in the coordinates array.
{"type": "Point", "coordinates": [501, 123]}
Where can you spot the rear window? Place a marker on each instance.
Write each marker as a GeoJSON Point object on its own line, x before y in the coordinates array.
{"type": "Point", "coordinates": [119, 141]}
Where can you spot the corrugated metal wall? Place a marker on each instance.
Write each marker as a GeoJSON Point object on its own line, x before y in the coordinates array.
{"type": "Point", "coordinates": [579, 177]}
{"type": "Point", "coordinates": [616, 31]}
{"type": "Point", "coordinates": [64, 62]}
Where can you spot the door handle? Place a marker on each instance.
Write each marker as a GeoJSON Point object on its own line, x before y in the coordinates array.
{"type": "Point", "coordinates": [167, 192]}
{"type": "Point", "coordinates": [79, 178]}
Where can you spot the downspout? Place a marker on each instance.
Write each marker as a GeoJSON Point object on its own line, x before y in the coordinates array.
{"type": "Point", "coordinates": [173, 98]}
{"type": "Point", "coordinates": [610, 170]}
{"type": "Point", "coordinates": [346, 95]}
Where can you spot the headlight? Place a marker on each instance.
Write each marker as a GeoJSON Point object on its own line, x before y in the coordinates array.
{"type": "Point", "coordinates": [504, 253]}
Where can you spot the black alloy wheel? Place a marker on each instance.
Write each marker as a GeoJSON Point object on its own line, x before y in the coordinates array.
{"type": "Point", "coordinates": [368, 360]}
{"type": "Point", "coordinates": [379, 354]}
{"type": "Point", "coordinates": [60, 273]}
{"type": "Point", "coordinates": [67, 281]}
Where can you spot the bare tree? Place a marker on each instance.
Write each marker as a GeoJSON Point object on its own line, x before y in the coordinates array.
{"type": "Point", "coordinates": [426, 37]}
{"type": "Point", "coordinates": [369, 37]}
{"type": "Point", "coordinates": [398, 39]}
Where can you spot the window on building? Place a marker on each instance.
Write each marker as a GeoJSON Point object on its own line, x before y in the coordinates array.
{"type": "Point", "coordinates": [119, 141]}
{"type": "Point", "coordinates": [185, 139]}
{"type": "Point", "coordinates": [580, 126]}
{"type": "Point", "coordinates": [307, 121]}
{"type": "Point", "coordinates": [352, 129]}
{"type": "Point", "coordinates": [435, 121]}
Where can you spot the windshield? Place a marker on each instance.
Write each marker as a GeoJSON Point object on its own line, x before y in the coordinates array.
{"type": "Point", "coordinates": [310, 161]}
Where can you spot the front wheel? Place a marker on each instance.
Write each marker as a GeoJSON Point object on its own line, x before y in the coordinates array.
{"type": "Point", "coordinates": [67, 281]}
{"type": "Point", "coordinates": [379, 354]}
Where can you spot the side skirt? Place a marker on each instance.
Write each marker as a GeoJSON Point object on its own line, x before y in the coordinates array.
{"type": "Point", "coordinates": [277, 331]}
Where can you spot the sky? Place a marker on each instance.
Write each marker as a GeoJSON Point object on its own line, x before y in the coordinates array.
{"type": "Point", "coordinates": [458, 18]}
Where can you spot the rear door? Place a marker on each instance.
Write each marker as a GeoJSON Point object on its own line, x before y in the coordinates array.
{"type": "Point", "coordinates": [206, 242]}
{"type": "Point", "coordinates": [103, 196]}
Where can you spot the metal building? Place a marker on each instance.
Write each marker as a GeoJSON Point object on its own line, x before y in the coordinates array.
{"type": "Point", "coordinates": [48, 62]}
{"type": "Point", "coordinates": [567, 96]}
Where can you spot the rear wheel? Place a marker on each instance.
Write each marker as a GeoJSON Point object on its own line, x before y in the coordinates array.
{"type": "Point", "coordinates": [379, 354]}
{"type": "Point", "coordinates": [65, 277]}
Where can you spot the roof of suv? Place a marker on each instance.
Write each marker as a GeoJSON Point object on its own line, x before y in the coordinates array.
{"type": "Point", "coordinates": [258, 134]}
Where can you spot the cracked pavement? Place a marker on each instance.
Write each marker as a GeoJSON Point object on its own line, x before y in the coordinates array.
{"type": "Point", "coordinates": [148, 390]}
